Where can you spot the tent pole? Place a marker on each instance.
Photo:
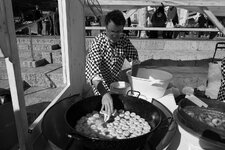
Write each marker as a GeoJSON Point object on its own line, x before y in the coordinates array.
{"type": "Point", "coordinates": [8, 45]}
{"type": "Point", "coordinates": [213, 18]}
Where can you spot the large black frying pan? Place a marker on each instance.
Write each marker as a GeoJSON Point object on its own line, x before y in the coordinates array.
{"type": "Point", "coordinates": [141, 107]}
{"type": "Point", "coordinates": [199, 128]}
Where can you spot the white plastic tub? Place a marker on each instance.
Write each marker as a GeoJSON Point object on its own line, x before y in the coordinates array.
{"type": "Point", "coordinates": [120, 87]}
{"type": "Point", "coordinates": [151, 83]}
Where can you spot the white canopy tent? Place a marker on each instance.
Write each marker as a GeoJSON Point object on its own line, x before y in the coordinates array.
{"type": "Point", "coordinates": [215, 6]}
{"type": "Point", "coordinates": [71, 14]}
{"type": "Point", "coordinates": [211, 8]}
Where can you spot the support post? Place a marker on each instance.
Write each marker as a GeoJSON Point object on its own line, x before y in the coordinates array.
{"type": "Point", "coordinates": [9, 47]}
{"type": "Point", "coordinates": [214, 20]}
{"type": "Point", "coordinates": [31, 44]}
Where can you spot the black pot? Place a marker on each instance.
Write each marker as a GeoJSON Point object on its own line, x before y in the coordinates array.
{"type": "Point", "coordinates": [54, 127]}
{"type": "Point", "coordinates": [141, 107]}
{"type": "Point", "coordinates": [197, 127]}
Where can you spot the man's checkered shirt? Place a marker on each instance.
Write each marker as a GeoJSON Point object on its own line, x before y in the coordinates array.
{"type": "Point", "coordinates": [106, 59]}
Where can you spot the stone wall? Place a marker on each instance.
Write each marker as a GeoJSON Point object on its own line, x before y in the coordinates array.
{"type": "Point", "coordinates": [186, 59]}
{"type": "Point", "coordinates": [177, 50]}
{"type": "Point", "coordinates": [155, 49]}
{"type": "Point", "coordinates": [39, 43]}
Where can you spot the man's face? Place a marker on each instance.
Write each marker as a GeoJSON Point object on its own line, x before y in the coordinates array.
{"type": "Point", "coordinates": [113, 31]}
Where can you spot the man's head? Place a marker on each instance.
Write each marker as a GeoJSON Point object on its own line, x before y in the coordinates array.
{"type": "Point", "coordinates": [160, 11]}
{"type": "Point", "coordinates": [36, 7]}
{"type": "Point", "coordinates": [115, 23]}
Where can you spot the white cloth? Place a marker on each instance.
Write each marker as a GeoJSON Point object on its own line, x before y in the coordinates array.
{"type": "Point", "coordinates": [214, 80]}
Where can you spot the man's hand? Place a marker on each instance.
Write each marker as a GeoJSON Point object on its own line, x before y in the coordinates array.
{"type": "Point", "coordinates": [107, 101]}
{"type": "Point", "coordinates": [107, 104]}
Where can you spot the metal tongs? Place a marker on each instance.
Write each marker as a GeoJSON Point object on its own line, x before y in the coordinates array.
{"type": "Point", "coordinates": [189, 94]}
{"type": "Point", "coordinates": [108, 118]}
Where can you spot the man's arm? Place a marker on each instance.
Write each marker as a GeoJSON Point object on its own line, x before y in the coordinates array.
{"type": "Point", "coordinates": [131, 52]}
{"type": "Point", "coordinates": [100, 87]}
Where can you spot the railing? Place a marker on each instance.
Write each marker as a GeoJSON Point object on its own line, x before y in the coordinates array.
{"type": "Point", "coordinates": [159, 29]}
{"type": "Point", "coordinates": [194, 31]}
{"type": "Point", "coordinates": [101, 28]}
{"type": "Point", "coordinates": [35, 22]}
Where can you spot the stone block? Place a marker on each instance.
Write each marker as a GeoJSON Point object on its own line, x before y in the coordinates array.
{"type": "Point", "coordinates": [40, 62]}
{"type": "Point", "coordinates": [23, 46]}
{"type": "Point", "coordinates": [3, 74]}
{"type": "Point", "coordinates": [57, 58]}
{"type": "Point", "coordinates": [47, 56]}
{"type": "Point", "coordinates": [34, 63]}
{"type": "Point", "coordinates": [23, 40]}
{"type": "Point", "coordinates": [42, 47]}
{"type": "Point", "coordinates": [56, 47]}
{"type": "Point", "coordinates": [52, 56]}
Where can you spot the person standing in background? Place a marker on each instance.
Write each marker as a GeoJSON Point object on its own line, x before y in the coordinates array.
{"type": "Point", "coordinates": [37, 15]}
{"type": "Point", "coordinates": [127, 24]}
{"type": "Point", "coordinates": [172, 17]}
{"type": "Point", "coordinates": [202, 23]}
{"type": "Point", "coordinates": [56, 22]}
{"type": "Point", "coordinates": [158, 20]}
{"type": "Point", "coordinates": [48, 22]}
{"type": "Point", "coordinates": [88, 24]}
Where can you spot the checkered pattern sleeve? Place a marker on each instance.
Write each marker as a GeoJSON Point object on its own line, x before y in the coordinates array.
{"type": "Point", "coordinates": [93, 60]}
{"type": "Point", "coordinates": [221, 94]}
{"type": "Point", "coordinates": [131, 51]}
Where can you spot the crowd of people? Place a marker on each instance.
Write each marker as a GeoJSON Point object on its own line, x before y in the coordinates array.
{"type": "Point", "coordinates": [204, 22]}
{"type": "Point", "coordinates": [162, 18]}
{"type": "Point", "coordinates": [158, 17]}
{"type": "Point", "coordinates": [47, 23]}
{"type": "Point", "coordinates": [168, 17]}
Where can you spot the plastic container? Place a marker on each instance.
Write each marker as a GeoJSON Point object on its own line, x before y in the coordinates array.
{"type": "Point", "coordinates": [151, 83]}
{"type": "Point", "coordinates": [120, 87]}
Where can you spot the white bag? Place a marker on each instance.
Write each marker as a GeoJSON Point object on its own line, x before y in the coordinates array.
{"type": "Point", "coordinates": [214, 80]}
{"type": "Point", "coordinates": [169, 24]}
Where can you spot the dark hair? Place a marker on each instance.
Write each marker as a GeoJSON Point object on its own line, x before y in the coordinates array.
{"type": "Point", "coordinates": [116, 16]}
{"type": "Point", "coordinates": [160, 9]}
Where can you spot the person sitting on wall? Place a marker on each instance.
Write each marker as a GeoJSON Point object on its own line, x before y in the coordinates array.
{"type": "Point", "coordinates": [55, 20]}
{"type": "Point", "coordinates": [172, 17]}
{"type": "Point", "coordinates": [158, 20]}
